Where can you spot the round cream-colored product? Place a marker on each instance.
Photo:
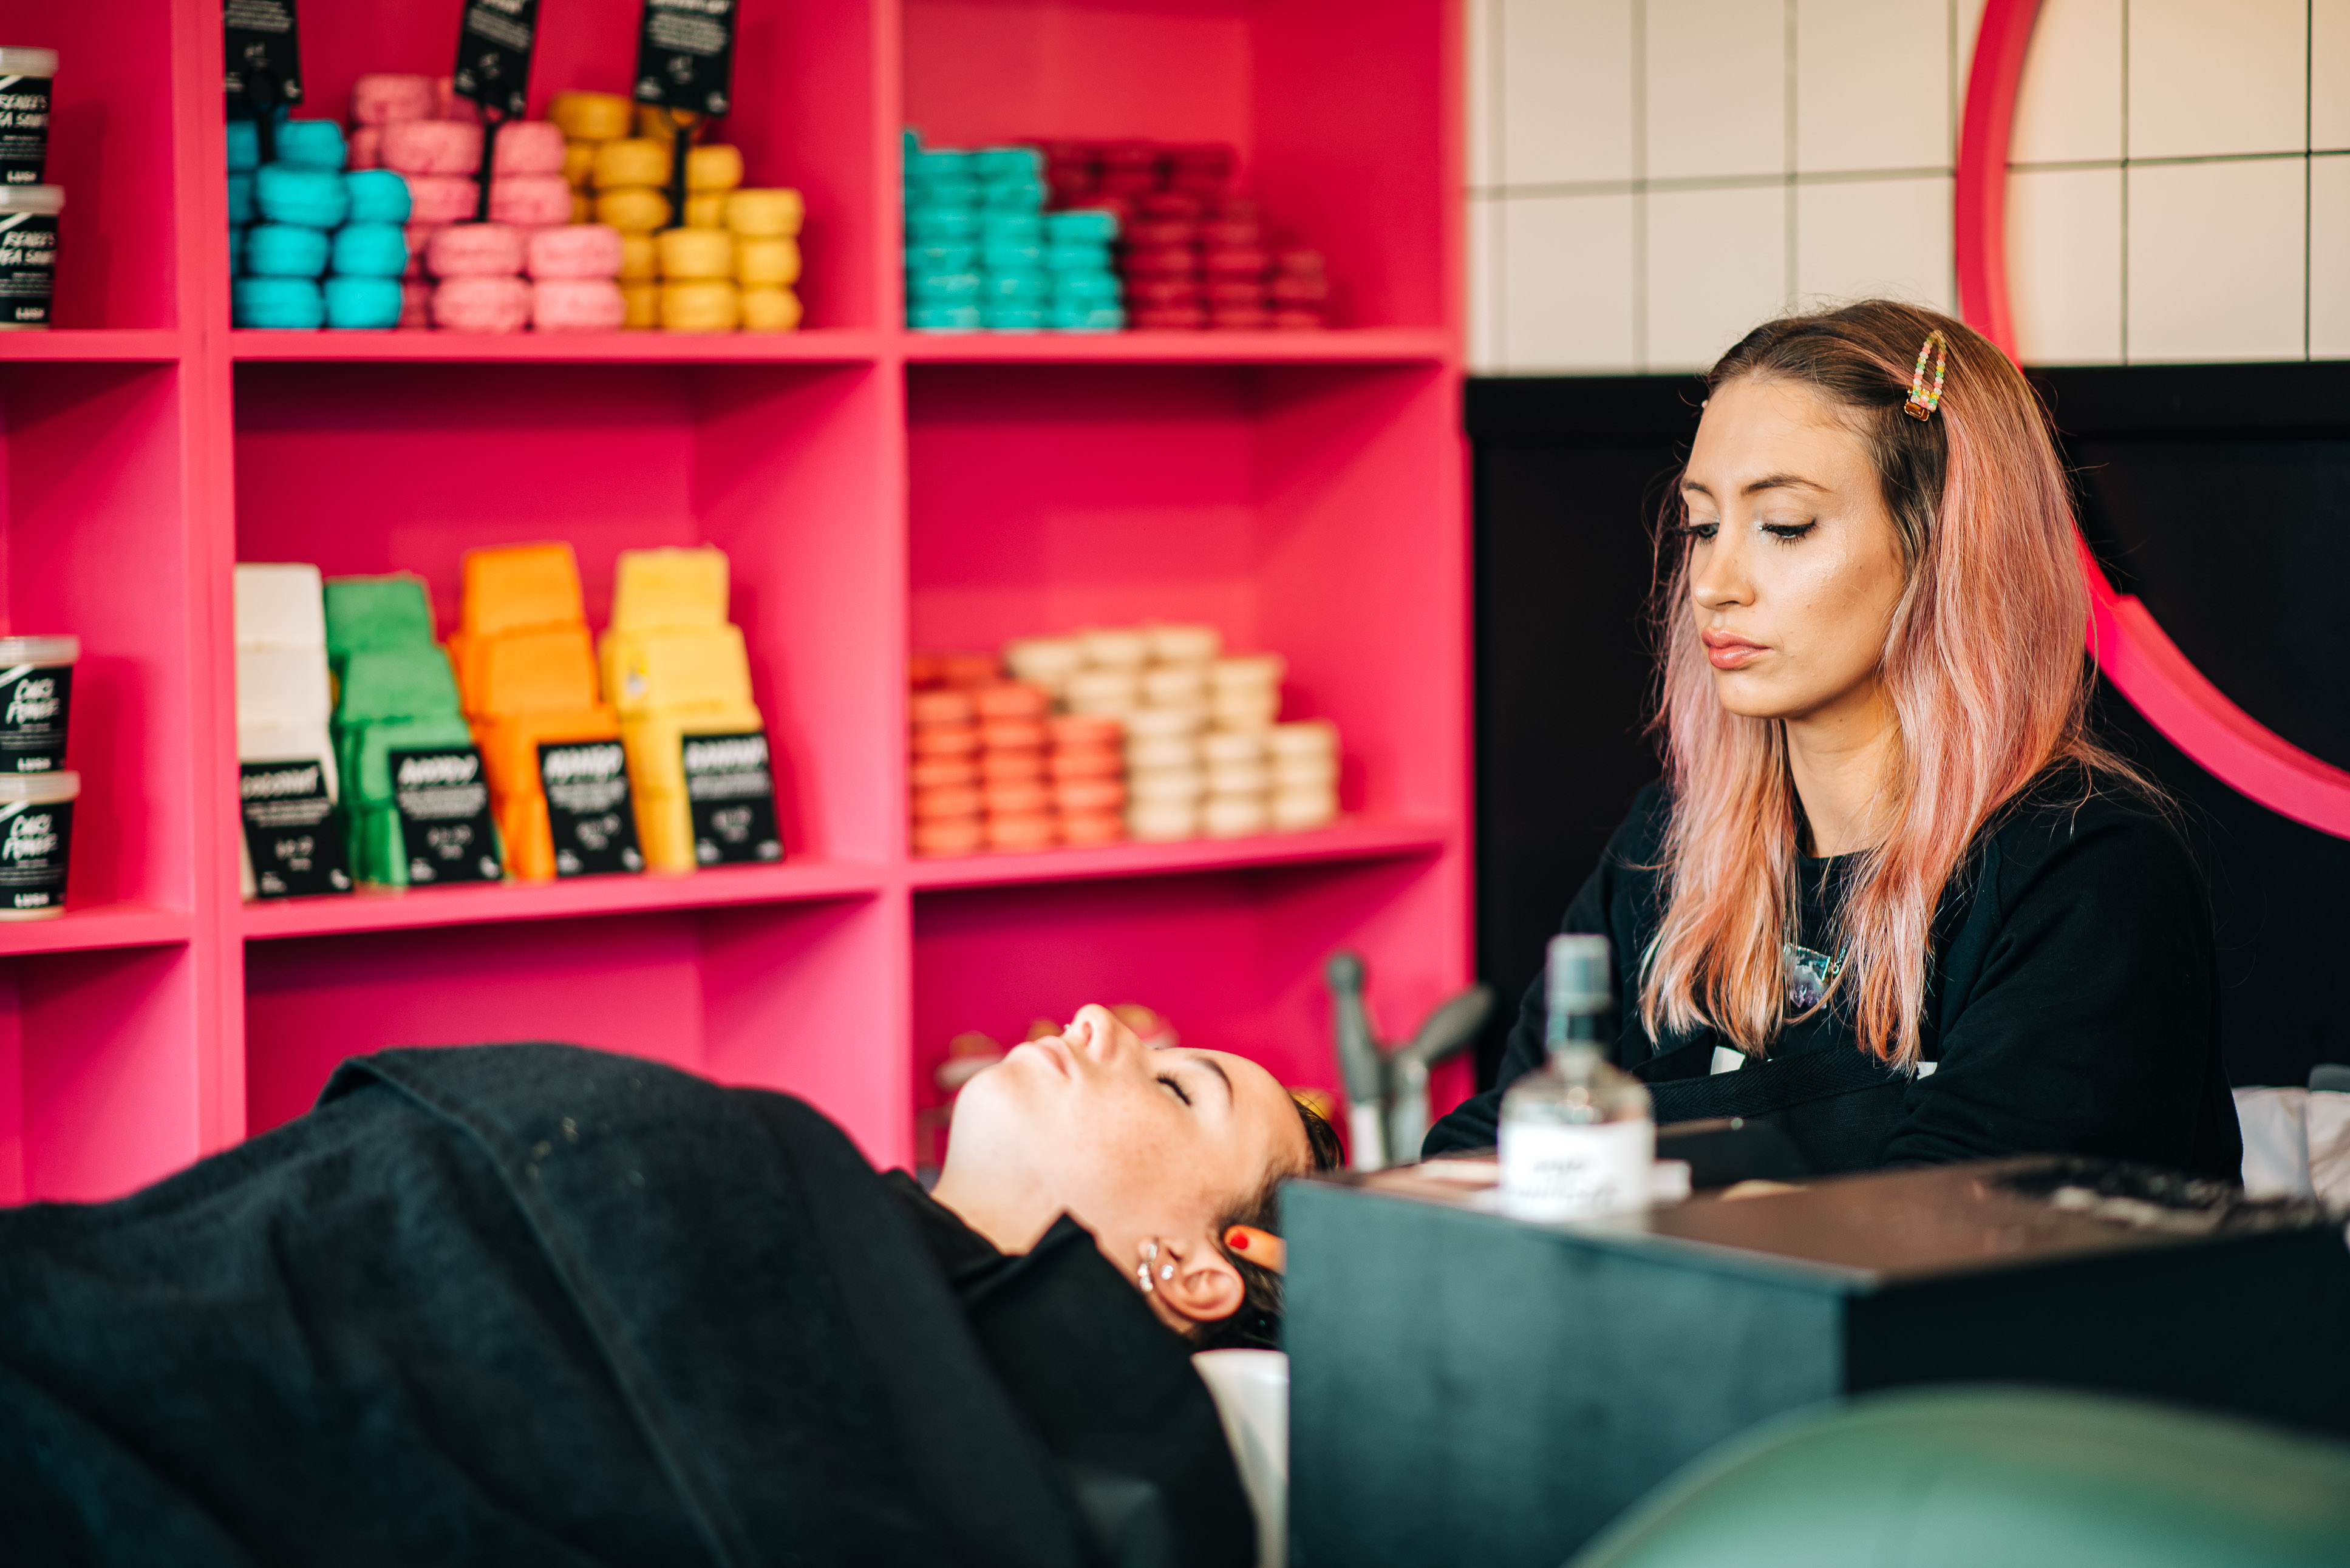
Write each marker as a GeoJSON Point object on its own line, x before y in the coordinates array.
{"type": "Point", "coordinates": [1304, 773]}
{"type": "Point", "coordinates": [1100, 691]}
{"type": "Point", "coordinates": [1166, 784]}
{"type": "Point", "coordinates": [772, 215]}
{"type": "Point", "coordinates": [1239, 778]}
{"type": "Point", "coordinates": [1233, 746]}
{"type": "Point", "coordinates": [1249, 671]}
{"type": "Point", "coordinates": [590, 116]}
{"type": "Point", "coordinates": [1184, 644]}
{"type": "Point", "coordinates": [629, 160]}
{"type": "Point", "coordinates": [770, 310]}
{"type": "Point", "coordinates": [640, 305]}
{"type": "Point", "coordinates": [578, 161]}
{"type": "Point", "coordinates": [700, 305]}
{"type": "Point", "coordinates": [1158, 723]}
{"type": "Point", "coordinates": [1303, 738]}
{"type": "Point", "coordinates": [1115, 646]}
{"type": "Point", "coordinates": [1294, 810]}
{"type": "Point", "coordinates": [1235, 815]}
{"type": "Point", "coordinates": [633, 209]}
{"type": "Point", "coordinates": [716, 167]}
{"type": "Point", "coordinates": [1166, 684]}
{"type": "Point", "coordinates": [766, 264]}
{"type": "Point", "coordinates": [1246, 710]}
{"type": "Point", "coordinates": [705, 210]}
{"type": "Point", "coordinates": [691, 253]}
{"type": "Point", "coordinates": [1048, 662]}
{"type": "Point", "coordinates": [1157, 821]}
{"type": "Point", "coordinates": [1160, 751]}
{"type": "Point", "coordinates": [639, 258]}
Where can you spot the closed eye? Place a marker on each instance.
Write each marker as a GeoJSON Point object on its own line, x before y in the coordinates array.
{"type": "Point", "coordinates": [1174, 1088]}
{"type": "Point", "coordinates": [1787, 533]}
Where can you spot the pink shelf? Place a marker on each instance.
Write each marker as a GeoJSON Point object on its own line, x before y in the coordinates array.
{"type": "Point", "coordinates": [1347, 840]}
{"type": "Point", "coordinates": [1338, 345]}
{"type": "Point", "coordinates": [395, 910]}
{"type": "Point", "coordinates": [816, 347]}
{"type": "Point", "coordinates": [67, 345]}
{"type": "Point", "coordinates": [88, 927]}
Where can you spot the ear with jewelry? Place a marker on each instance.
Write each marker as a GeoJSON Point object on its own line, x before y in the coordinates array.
{"type": "Point", "coordinates": [1149, 1273]}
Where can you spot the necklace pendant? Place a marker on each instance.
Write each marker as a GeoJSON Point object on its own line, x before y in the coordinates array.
{"type": "Point", "coordinates": [1806, 976]}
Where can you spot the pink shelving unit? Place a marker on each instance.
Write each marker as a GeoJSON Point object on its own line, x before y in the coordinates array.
{"type": "Point", "coordinates": [877, 490]}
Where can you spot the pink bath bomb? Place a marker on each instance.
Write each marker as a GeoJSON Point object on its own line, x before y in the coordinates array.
{"type": "Point", "coordinates": [474, 249]}
{"type": "Point", "coordinates": [439, 198]}
{"type": "Point", "coordinates": [528, 146]}
{"type": "Point", "coordinates": [482, 305]}
{"type": "Point", "coordinates": [367, 147]}
{"type": "Point", "coordinates": [382, 98]}
{"type": "Point", "coordinates": [415, 306]}
{"type": "Point", "coordinates": [419, 239]}
{"type": "Point", "coordinates": [532, 201]}
{"type": "Point", "coordinates": [577, 304]}
{"type": "Point", "coordinates": [432, 147]}
{"type": "Point", "coordinates": [447, 105]}
{"type": "Point", "coordinates": [574, 250]}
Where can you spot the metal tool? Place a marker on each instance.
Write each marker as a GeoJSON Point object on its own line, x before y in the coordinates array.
{"type": "Point", "coordinates": [1387, 1091]}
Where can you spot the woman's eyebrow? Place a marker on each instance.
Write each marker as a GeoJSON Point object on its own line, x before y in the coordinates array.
{"type": "Point", "coordinates": [1212, 1065]}
{"type": "Point", "coordinates": [1783, 482]}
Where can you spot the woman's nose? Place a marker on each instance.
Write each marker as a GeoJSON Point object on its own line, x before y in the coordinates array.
{"type": "Point", "coordinates": [1718, 577]}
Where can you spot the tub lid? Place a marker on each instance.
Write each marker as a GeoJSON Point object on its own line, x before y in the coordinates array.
{"type": "Point", "coordinates": [42, 63]}
{"type": "Point", "coordinates": [38, 789]}
{"type": "Point", "coordinates": [49, 199]}
{"type": "Point", "coordinates": [38, 650]}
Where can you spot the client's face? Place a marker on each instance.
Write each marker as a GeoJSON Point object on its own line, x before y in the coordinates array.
{"type": "Point", "coordinates": [1794, 567]}
{"type": "Point", "coordinates": [1147, 1149]}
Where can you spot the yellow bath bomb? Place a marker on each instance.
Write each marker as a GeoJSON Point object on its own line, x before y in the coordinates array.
{"type": "Point", "coordinates": [764, 214]}
{"type": "Point", "coordinates": [639, 258]}
{"type": "Point", "coordinates": [770, 310]}
{"type": "Point", "coordinates": [629, 160]}
{"type": "Point", "coordinates": [578, 161]}
{"type": "Point", "coordinates": [701, 305]}
{"type": "Point", "coordinates": [590, 116]}
{"type": "Point", "coordinates": [766, 264]}
{"type": "Point", "coordinates": [690, 253]}
{"type": "Point", "coordinates": [706, 211]}
{"type": "Point", "coordinates": [641, 303]}
{"type": "Point", "coordinates": [652, 120]}
{"type": "Point", "coordinates": [714, 168]}
{"type": "Point", "coordinates": [583, 207]}
{"type": "Point", "coordinates": [633, 209]}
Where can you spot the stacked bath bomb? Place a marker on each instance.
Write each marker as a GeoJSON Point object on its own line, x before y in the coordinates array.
{"type": "Point", "coordinates": [995, 768]}
{"type": "Point", "coordinates": [982, 252]}
{"type": "Point", "coordinates": [283, 703]}
{"type": "Point", "coordinates": [396, 694]}
{"type": "Point", "coordinates": [311, 245]}
{"type": "Point", "coordinates": [674, 667]}
{"type": "Point", "coordinates": [527, 670]}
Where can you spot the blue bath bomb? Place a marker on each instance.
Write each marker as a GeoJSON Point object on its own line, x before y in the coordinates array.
{"type": "Point", "coordinates": [312, 144]}
{"type": "Point", "coordinates": [1084, 317]}
{"type": "Point", "coordinates": [240, 198]}
{"type": "Point", "coordinates": [283, 250]}
{"type": "Point", "coordinates": [1086, 286]}
{"type": "Point", "coordinates": [360, 304]}
{"type": "Point", "coordinates": [1016, 286]}
{"type": "Point", "coordinates": [369, 249]}
{"type": "Point", "coordinates": [236, 252]}
{"type": "Point", "coordinates": [940, 225]}
{"type": "Point", "coordinates": [291, 304]}
{"type": "Point", "coordinates": [1078, 258]}
{"type": "Point", "coordinates": [1009, 163]}
{"type": "Point", "coordinates": [243, 147]}
{"type": "Point", "coordinates": [943, 318]}
{"type": "Point", "coordinates": [312, 198]}
{"type": "Point", "coordinates": [1081, 226]}
{"type": "Point", "coordinates": [943, 287]}
{"type": "Point", "coordinates": [378, 196]}
{"type": "Point", "coordinates": [941, 258]}
{"type": "Point", "coordinates": [1001, 318]}
{"type": "Point", "coordinates": [1001, 256]}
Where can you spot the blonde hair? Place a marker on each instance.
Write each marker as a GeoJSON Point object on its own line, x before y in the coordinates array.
{"type": "Point", "coordinates": [1982, 668]}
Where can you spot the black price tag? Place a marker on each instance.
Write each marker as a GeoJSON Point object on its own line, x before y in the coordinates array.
{"type": "Point", "coordinates": [587, 806]}
{"type": "Point", "coordinates": [262, 48]}
{"type": "Point", "coordinates": [444, 816]}
{"type": "Point", "coordinates": [493, 54]}
{"type": "Point", "coordinates": [292, 830]}
{"type": "Point", "coordinates": [731, 795]}
{"type": "Point", "coordinates": [685, 54]}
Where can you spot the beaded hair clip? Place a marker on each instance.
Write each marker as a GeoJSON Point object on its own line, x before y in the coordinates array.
{"type": "Point", "coordinates": [1923, 402]}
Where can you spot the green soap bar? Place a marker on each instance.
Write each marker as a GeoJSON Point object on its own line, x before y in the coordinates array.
{"type": "Point", "coordinates": [397, 683]}
{"type": "Point", "coordinates": [377, 612]}
{"type": "Point", "coordinates": [364, 752]}
{"type": "Point", "coordinates": [378, 853]}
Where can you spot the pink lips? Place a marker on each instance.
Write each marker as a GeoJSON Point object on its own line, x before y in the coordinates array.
{"type": "Point", "coordinates": [1053, 1050]}
{"type": "Point", "coordinates": [1727, 650]}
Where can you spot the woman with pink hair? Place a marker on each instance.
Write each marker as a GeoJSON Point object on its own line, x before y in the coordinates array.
{"type": "Point", "coordinates": [1893, 894]}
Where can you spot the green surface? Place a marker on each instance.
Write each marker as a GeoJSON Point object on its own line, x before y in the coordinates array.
{"type": "Point", "coordinates": [363, 752]}
{"type": "Point", "coordinates": [2007, 1477]}
{"type": "Point", "coordinates": [397, 683]}
{"type": "Point", "coordinates": [377, 613]}
{"type": "Point", "coordinates": [378, 853]}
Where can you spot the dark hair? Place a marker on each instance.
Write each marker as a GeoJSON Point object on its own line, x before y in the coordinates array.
{"type": "Point", "coordinates": [1256, 1325]}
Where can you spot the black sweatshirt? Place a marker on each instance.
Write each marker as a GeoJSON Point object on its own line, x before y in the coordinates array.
{"type": "Point", "coordinates": [2072, 1005]}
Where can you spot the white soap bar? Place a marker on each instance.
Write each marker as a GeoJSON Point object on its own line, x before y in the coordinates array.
{"type": "Point", "coordinates": [1305, 738]}
{"type": "Point", "coordinates": [1238, 778]}
{"type": "Point", "coordinates": [1048, 662]}
{"type": "Point", "coordinates": [1164, 787]}
{"type": "Point", "coordinates": [1233, 815]}
{"type": "Point", "coordinates": [280, 605]}
{"type": "Point", "coordinates": [1304, 773]}
{"type": "Point", "coordinates": [290, 744]}
{"type": "Point", "coordinates": [1162, 724]}
{"type": "Point", "coordinates": [1162, 751]}
{"type": "Point", "coordinates": [1233, 746]}
{"type": "Point", "coordinates": [1115, 648]}
{"type": "Point", "coordinates": [1161, 821]}
{"type": "Point", "coordinates": [282, 686]}
{"type": "Point", "coordinates": [1245, 709]}
{"type": "Point", "coordinates": [1249, 671]}
{"type": "Point", "coordinates": [1100, 691]}
{"type": "Point", "coordinates": [1168, 685]}
{"type": "Point", "coordinates": [1296, 809]}
{"type": "Point", "coordinates": [1184, 644]}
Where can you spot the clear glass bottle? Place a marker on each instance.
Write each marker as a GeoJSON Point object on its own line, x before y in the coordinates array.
{"type": "Point", "coordinates": [1578, 1137]}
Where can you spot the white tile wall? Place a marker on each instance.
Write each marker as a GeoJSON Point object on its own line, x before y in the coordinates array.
{"type": "Point", "coordinates": [2210, 77]}
{"type": "Point", "coordinates": [1717, 269]}
{"type": "Point", "coordinates": [1486, 337]}
{"type": "Point", "coordinates": [1717, 87]}
{"type": "Point", "coordinates": [2329, 258]}
{"type": "Point", "coordinates": [2329, 74]}
{"type": "Point", "coordinates": [1874, 239]}
{"type": "Point", "coordinates": [1568, 288]}
{"type": "Point", "coordinates": [1566, 90]}
{"type": "Point", "coordinates": [2065, 264]}
{"type": "Point", "coordinates": [2069, 104]}
{"type": "Point", "coordinates": [1484, 101]}
{"type": "Point", "coordinates": [2215, 261]}
{"type": "Point", "coordinates": [1889, 106]}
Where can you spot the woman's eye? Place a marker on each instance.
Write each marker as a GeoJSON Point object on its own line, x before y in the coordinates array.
{"type": "Point", "coordinates": [1697, 530]}
{"type": "Point", "coordinates": [1788, 531]}
{"type": "Point", "coordinates": [1175, 1088]}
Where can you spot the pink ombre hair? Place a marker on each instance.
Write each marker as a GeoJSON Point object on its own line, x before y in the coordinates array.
{"type": "Point", "coordinates": [1982, 665]}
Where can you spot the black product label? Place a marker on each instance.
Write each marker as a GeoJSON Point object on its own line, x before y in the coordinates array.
{"type": "Point", "coordinates": [33, 843]}
{"type": "Point", "coordinates": [28, 267]}
{"type": "Point", "coordinates": [493, 54]}
{"type": "Point", "coordinates": [685, 54]}
{"type": "Point", "coordinates": [292, 830]}
{"type": "Point", "coordinates": [263, 47]}
{"type": "Point", "coordinates": [587, 806]}
{"type": "Point", "coordinates": [731, 796]}
{"type": "Point", "coordinates": [444, 816]}
{"type": "Point", "coordinates": [24, 129]}
{"type": "Point", "coordinates": [34, 699]}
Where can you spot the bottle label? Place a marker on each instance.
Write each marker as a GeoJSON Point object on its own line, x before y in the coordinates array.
{"type": "Point", "coordinates": [292, 829]}
{"type": "Point", "coordinates": [444, 816]}
{"type": "Point", "coordinates": [729, 794]}
{"type": "Point", "coordinates": [587, 807]}
{"type": "Point", "coordinates": [685, 54]}
{"type": "Point", "coordinates": [1568, 1172]}
{"type": "Point", "coordinates": [33, 842]}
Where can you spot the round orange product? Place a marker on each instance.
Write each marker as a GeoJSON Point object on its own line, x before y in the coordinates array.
{"type": "Point", "coordinates": [1092, 827]}
{"type": "Point", "coordinates": [951, 799]}
{"type": "Point", "coordinates": [1017, 798]}
{"type": "Point", "coordinates": [1012, 734]}
{"type": "Point", "coordinates": [1020, 830]}
{"type": "Point", "coordinates": [939, 708]}
{"type": "Point", "coordinates": [939, 773]}
{"type": "Point", "coordinates": [950, 835]}
{"type": "Point", "coordinates": [925, 670]}
{"type": "Point", "coordinates": [1011, 700]}
{"type": "Point", "coordinates": [1012, 767]}
{"type": "Point", "coordinates": [969, 668]}
{"type": "Point", "coordinates": [1079, 730]}
{"type": "Point", "coordinates": [945, 740]}
{"type": "Point", "coordinates": [1089, 795]}
{"type": "Point", "coordinates": [1086, 762]}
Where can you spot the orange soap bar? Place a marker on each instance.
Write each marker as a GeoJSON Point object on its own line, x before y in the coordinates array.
{"type": "Point", "coordinates": [510, 741]}
{"type": "Point", "coordinates": [1086, 762]}
{"type": "Point", "coordinates": [1012, 734]}
{"type": "Point", "coordinates": [1012, 767]}
{"type": "Point", "coordinates": [1011, 700]}
{"type": "Point", "coordinates": [1076, 731]}
{"type": "Point", "coordinates": [1081, 827]}
{"type": "Point", "coordinates": [1017, 798]}
{"type": "Point", "coordinates": [513, 672]}
{"type": "Point", "coordinates": [520, 585]}
{"type": "Point", "coordinates": [951, 800]}
{"type": "Point", "coordinates": [1020, 830]}
{"type": "Point", "coordinates": [529, 837]}
{"type": "Point", "coordinates": [950, 835]}
{"type": "Point", "coordinates": [936, 773]}
{"type": "Point", "coordinates": [939, 708]}
{"type": "Point", "coordinates": [945, 740]}
{"type": "Point", "coordinates": [1089, 795]}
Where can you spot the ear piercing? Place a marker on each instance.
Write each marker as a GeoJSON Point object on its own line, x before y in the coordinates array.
{"type": "Point", "coordinates": [1142, 1271]}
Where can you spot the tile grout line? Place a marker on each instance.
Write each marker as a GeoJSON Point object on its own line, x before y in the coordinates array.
{"type": "Point", "coordinates": [1787, 161]}
{"type": "Point", "coordinates": [1640, 193]}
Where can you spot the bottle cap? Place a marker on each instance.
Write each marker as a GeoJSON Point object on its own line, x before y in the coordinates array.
{"type": "Point", "coordinates": [20, 62]}
{"type": "Point", "coordinates": [38, 199]}
{"type": "Point", "coordinates": [39, 649]}
{"type": "Point", "coordinates": [1579, 974]}
{"type": "Point", "coordinates": [38, 789]}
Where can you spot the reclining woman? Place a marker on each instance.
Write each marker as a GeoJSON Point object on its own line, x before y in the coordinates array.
{"type": "Point", "coordinates": [535, 1303]}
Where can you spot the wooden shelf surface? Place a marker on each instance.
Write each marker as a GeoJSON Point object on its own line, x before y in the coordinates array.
{"type": "Point", "coordinates": [1344, 840]}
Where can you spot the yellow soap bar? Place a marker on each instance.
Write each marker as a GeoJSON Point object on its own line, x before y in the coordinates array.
{"type": "Point", "coordinates": [516, 585]}
{"type": "Point", "coordinates": [523, 671]}
{"type": "Point", "coordinates": [630, 160]}
{"type": "Point", "coordinates": [770, 310]}
{"type": "Point", "coordinates": [640, 305]}
{"type": "Point", "coordinates": [766, 264]}
{"type": "Point", "coordinates": [639, 258]}
{"type": "Point", "coordinates": [633, 209]}
{"type": "Point", "coordinates": [655, 739]}
{"type": "Point", "coordinates": [692, 253]}
{"type": "Point", "coordinates": [706, 210]}
{"type": "Point", "coordinates": [664, 667]}
{"type": "Point", "coordinates": [578, 161]}
{"type": "Point", "coordinates": [664, 830]}
{"type": "Point", "coordinates": [509, 742]}
{"type": "Point", "coordinates": [771, 214]}
{"type": "Point", "coordinates": [700, 305]}
{"type": "Point", "coordinates": [590, 116]}
{"type": "Point", "coordinates": [673, 585]}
